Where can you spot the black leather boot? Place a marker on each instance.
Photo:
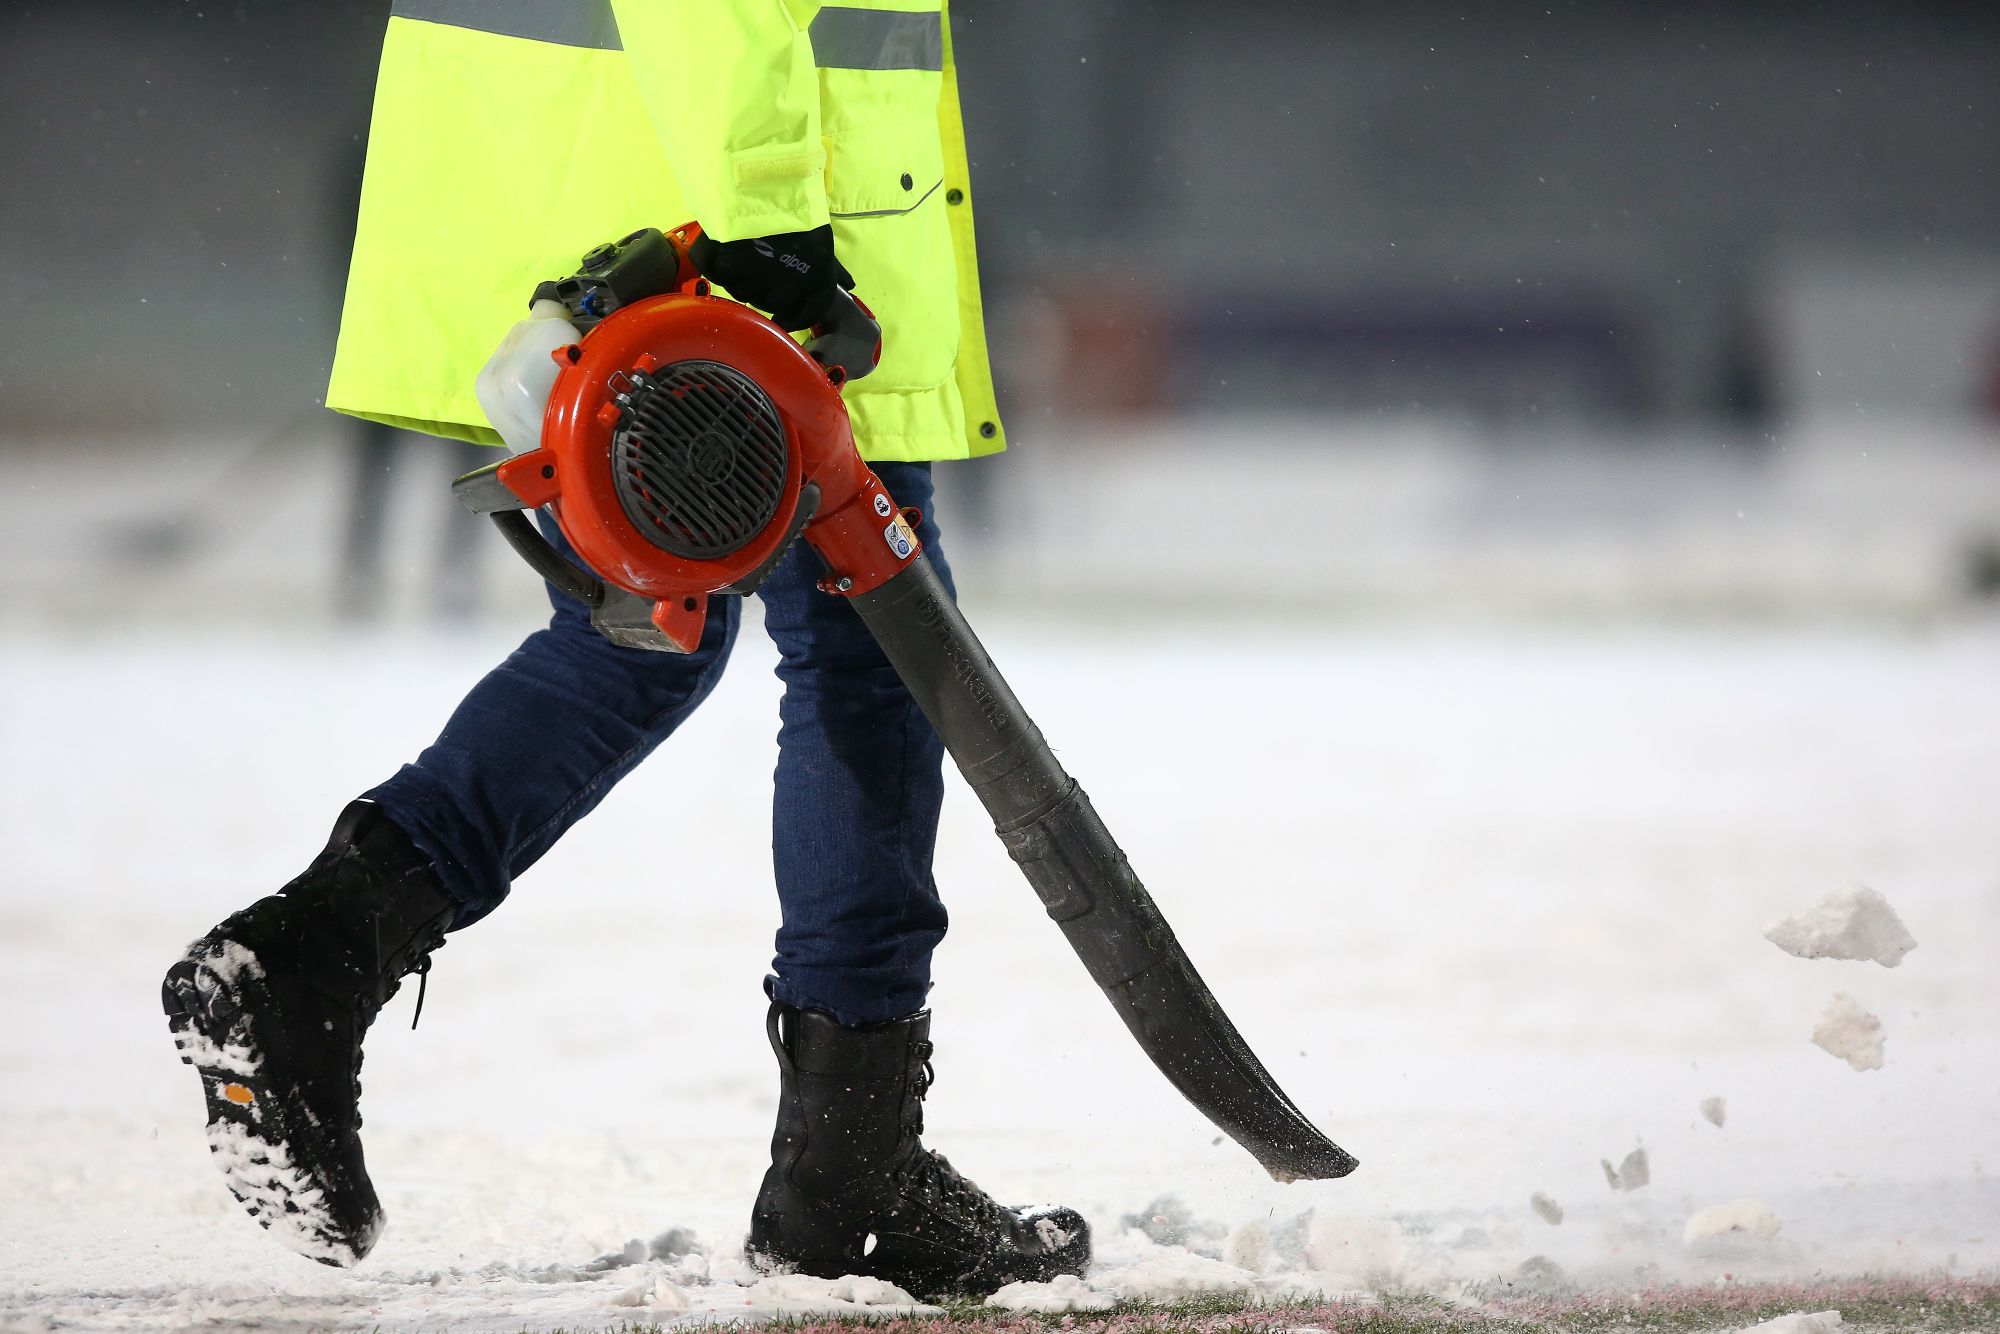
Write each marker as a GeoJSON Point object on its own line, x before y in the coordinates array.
{"type": "Point", "coordinates": [852, 1189]}
{"type": "Point", "coordinates": [271, 1006]}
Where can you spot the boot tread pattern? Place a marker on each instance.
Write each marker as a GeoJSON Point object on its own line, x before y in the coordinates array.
{"type": "Point", "coordinates": [208, 998]}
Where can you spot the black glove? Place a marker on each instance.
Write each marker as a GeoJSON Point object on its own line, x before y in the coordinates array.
{"type": "Point", "coordinates": [791, 275]}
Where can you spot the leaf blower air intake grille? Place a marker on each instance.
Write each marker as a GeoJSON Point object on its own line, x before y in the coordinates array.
{"type": "Point", "coordinates": [698, 457]}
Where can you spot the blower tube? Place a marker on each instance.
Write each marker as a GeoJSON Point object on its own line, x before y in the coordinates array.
{"type": "Point", "coordinates": [1083, 878]}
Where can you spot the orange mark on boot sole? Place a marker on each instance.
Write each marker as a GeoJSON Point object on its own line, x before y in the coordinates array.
{"type": "Point", "coordinates": [239, 1095]}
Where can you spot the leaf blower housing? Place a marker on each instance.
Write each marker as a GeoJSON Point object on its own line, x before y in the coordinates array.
{"type": "Point", "coordinates": [687, 443]}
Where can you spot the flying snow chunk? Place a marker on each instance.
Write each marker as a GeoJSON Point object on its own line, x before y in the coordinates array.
{"type": "Point", "coordinates": [1547, 1209]}
{"type": "Point", "coordinates": [1752, 1217]}
{"type": "Point", "coordinates": [1851, 1033]}
{"type": "Point", "coordinates": [1249, 1247]}
{"type": "Point", "coordinates": [1630, 1174]}
{"type": "Point", "coordinates": [1851, 923]}
{"type": "Point", "coordinates": [675, 1243]}
{"type": "Point", "coordinates": [1167, 1221]}
{"type": "Point", "coordinates": [1799, 1322]}
{"type": "Point", "coordinates": [1065, 1292]}
{"type": "Point", "coordinates": [634, 1252]}
{"type": "Point", "coordinates": [1360, 1252]}
{"type": "Point", "coordinates": [1715, 1110]}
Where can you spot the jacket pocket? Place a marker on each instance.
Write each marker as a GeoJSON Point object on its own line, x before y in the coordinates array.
{"type": "Point", "coordinates": [885, 193]}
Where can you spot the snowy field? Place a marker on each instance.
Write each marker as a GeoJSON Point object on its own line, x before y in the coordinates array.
{"type": "Point", "coordinates": [1490, 904]}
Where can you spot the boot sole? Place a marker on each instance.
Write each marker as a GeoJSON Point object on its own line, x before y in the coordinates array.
{"type": "Point", "coordinates": [791, 1231]}
{"type": "Point", "coordinates": [254, 1133]}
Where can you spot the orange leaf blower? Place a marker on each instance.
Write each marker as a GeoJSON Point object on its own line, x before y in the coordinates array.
{"type": "Point", "coordinates": [686, 443]}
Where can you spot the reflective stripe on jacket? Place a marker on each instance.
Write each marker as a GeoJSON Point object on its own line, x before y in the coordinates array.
{"type": "Point", "coordinates": [510, 136]}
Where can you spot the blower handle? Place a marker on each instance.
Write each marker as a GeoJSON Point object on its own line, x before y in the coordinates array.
{"type": "Point", "coordinates": [848, 341]}
{"type": "Point", "coordinates": [484, 492]}
{"type": "Point", "coordinates": [542, 556]}
{"type": "Point", "coordinates": [848, 338]}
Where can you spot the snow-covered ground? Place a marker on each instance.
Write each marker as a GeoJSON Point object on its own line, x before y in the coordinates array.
{"type": "Point", "coordinates": [1489, 903]}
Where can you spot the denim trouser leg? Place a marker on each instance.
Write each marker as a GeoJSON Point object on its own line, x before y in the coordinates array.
{"type": "Point", "coordinates": [855, 812]}
{"type": "Point", "coordinates": [539, 741]}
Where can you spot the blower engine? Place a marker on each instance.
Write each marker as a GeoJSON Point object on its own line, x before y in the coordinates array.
{"type": "Point", "coordinates": [686, 443]}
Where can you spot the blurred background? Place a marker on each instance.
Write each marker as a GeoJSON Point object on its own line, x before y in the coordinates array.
{"type": "Point", "coordinates": [1399, 309]}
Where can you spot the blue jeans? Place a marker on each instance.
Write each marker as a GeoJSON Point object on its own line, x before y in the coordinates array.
{"type": "Point", "coordinates": [538, 742]}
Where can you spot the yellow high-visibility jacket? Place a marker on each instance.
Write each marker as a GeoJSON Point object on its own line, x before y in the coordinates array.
{"type": "Point", "coordinates": [510, 136]}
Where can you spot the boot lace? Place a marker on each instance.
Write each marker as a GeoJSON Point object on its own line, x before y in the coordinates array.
{"type": "Point", "coordinates": [936, 1182]}
{"type": "Point", "coordinates": [423, 972]}
{"type": "Point", "coordinates": [368, 1004]}
{"type": "Point", "coordinates": [931, 1177]}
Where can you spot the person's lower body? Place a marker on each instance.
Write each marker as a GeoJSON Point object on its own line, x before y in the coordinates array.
{"type": "Point", "coordinates": [533, 748]}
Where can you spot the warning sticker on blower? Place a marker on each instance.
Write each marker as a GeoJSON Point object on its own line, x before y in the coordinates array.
{"type": "Point", "coordinates": [899, 537]}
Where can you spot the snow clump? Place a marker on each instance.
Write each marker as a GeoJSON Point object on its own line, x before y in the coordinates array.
{"type": "Point", "coordinates": [633, 1253]}
{"type": "Point", "coordinates": [1851, 1033]}
{"type": "Point", "coordinates": [658, 1295]}
{"type": "Point", "coordinates": [1545, 1208]}
{"type": "Point", "coordinates": [1065, 1292]}
{"type": "Point", "coordinates": [1851, 923]}
{"type": "Point", "coordinates": [1167, 1221]}
{"type": "Point", "coordinates": [1753, 1217]}
{"type": "Point", "coordinates": [676, 1243]}
{"type": "Point", "coordinates": [799, 1293]}
{"type": "Point", "coordinates": [1249, 1247]}
{"type": "Point", "coordinates": [1715, 1110]}
{"type": "Point", "coordinates": [1630, 1174]}
{"type": "Point", "coordinates": [1359, 1252]}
